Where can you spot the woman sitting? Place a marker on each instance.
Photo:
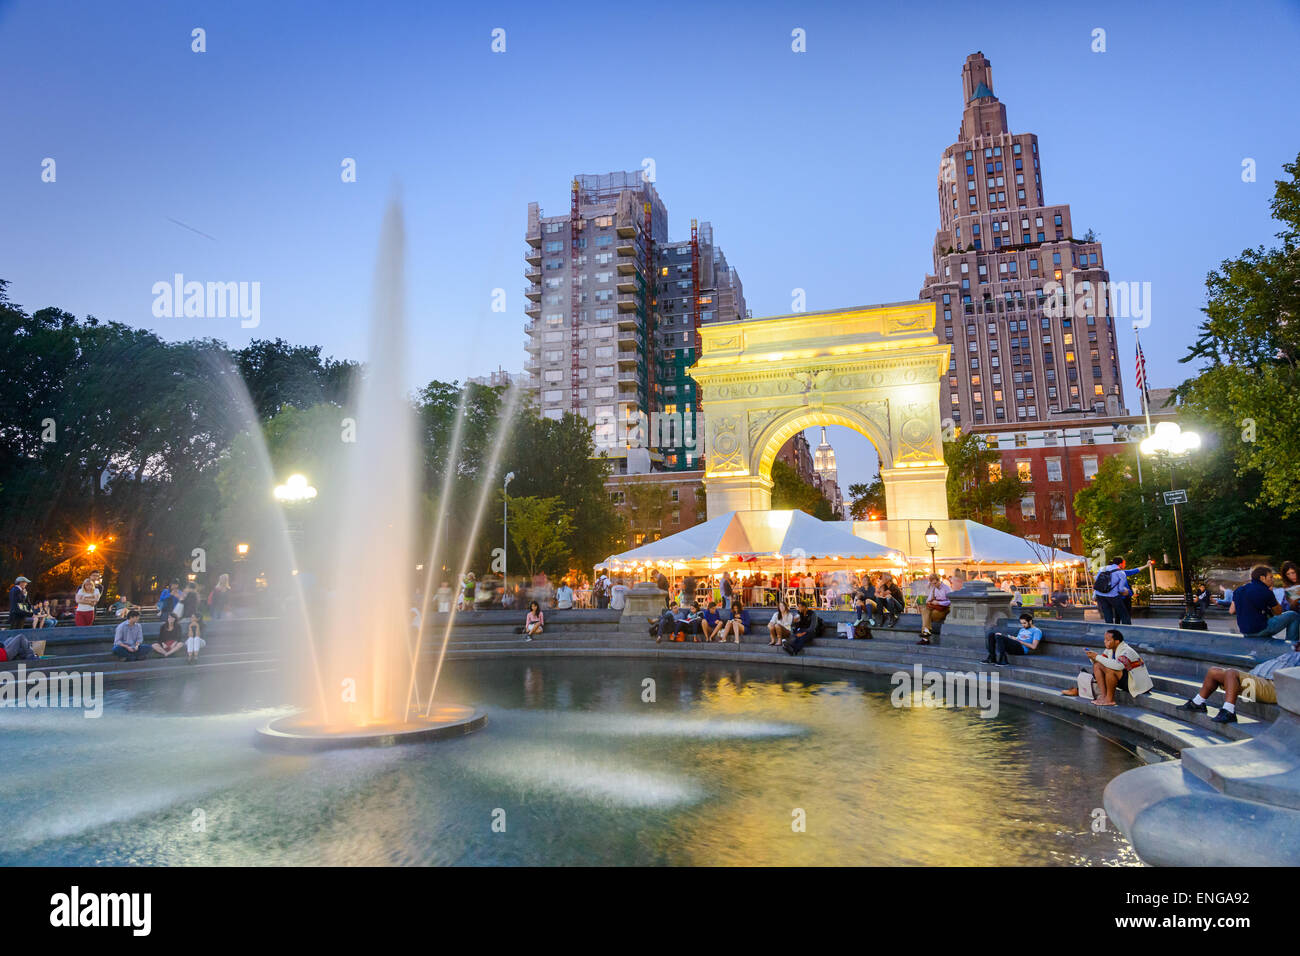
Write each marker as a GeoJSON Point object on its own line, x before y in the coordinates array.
{"type": "Point", "coordinates": [534, 621]}
{"type": "Point", "coordinates": [738, 624]}
{"type": "Point", "coordinates": [936, 606]}
{"type": "Point", "coordinates": [169, 637]}
{"type": "Point", "coordinates": [781, 624]}
{"type": "Point", "coordinates": [194, 642]}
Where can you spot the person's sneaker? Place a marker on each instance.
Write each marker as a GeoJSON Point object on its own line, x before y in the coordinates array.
{"type": "Point", "coordinates": [1224, 717]}
{"type": "Point", "coordinates": [1003, 663]}
{"type": "Point", "coordinates": [989, 660]}
{"type": "Point", "coordinates": [527, 639]}
{"type": "Point", "coordinates": [1192, 708]}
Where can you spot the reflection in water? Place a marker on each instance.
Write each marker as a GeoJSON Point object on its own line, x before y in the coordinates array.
{"type": "Point", "coordinates": [711, 772]}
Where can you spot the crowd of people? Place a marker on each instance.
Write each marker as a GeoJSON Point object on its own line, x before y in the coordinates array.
{"type": "Point", "coordinates": [181, 612]}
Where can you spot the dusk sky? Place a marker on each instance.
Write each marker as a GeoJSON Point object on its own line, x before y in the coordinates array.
{"type": "Point", "coordinates": [817, 169]}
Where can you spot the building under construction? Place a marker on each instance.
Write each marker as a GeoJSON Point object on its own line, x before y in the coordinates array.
{"type": "Point", "coordinates": [614, 310]}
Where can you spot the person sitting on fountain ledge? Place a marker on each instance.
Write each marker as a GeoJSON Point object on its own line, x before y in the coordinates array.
{"type": "Point", "coordinates": [128, 639]}
{"type": "Point", "coordinates": [534, 622]}
{"type": "Point", "coordinates": [1258, 684]}
{"type": "Point", "coordinates": [804, 630]}
{"type": "Point", "coordinates": [710, 621]}
{"type": "Point", "coordinates": [1023, 641]}
{"type": "Point", "coordinates": [1117, 667]}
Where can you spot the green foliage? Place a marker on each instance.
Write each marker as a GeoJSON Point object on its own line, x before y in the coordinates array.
{"type": "Point", "coordinates": [790, 492]}
{"type": "Point", "coordinates": [972, 492]}
{"type": "Point", "coordinates": [1249, 344]}
{"type": "Point", "coordinates": [540, 531]}
{"type": "Point", "coordinates": [1122, 518]}
{"type": "Point", "coordinates": [867, 498]}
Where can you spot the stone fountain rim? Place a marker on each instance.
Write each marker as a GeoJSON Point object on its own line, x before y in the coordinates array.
{"type": "Point", "coordinates": [272, 737]}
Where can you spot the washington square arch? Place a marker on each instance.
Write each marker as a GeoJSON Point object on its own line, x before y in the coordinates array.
{"type": "Point", "coordinates": [874, 369]}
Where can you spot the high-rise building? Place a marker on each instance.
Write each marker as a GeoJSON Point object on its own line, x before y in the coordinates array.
{"type": "Point", "coordinates": [828, 475]}
{"type": "Point", "coordinates": [1022, 300]}
{"type": "Point", "coordinates": [613, 307]}
{"type": "Point", "coordinates": [688, 271]}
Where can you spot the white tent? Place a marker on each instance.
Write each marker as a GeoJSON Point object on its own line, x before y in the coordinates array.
{"type": "Point", "coordinates": [964, 543]}
{"type": "Point", "coordinates": [744, 539]}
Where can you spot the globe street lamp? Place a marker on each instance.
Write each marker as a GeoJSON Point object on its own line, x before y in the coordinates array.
{"type": "Point", "coordinates": [505, 530]}
{"type": "Point", "coordinates": [294, 489]}
{"type": "Point", "coordinates": [1171, 444]}
{"type": "Point", "coordinates": [932, 539]}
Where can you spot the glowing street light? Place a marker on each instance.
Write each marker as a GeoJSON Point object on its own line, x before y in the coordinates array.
{"type": "Point", "coordinates": [90, 548]}
{"type": "Point", "coordinates": [1170, 443]}
{"type": "Point", "coordinates": [932, 539]}
{"type": "Point", "coordinates": [241, 550]}
{"type": "Point", "coordinates": [295, 489]}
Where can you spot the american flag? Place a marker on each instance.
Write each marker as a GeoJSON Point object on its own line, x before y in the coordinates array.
{"type": "Point", "coordinates": [1142, 376]}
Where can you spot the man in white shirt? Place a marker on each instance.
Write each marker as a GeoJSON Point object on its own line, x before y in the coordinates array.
{"type": "Point", "coordinates": [564, 597]}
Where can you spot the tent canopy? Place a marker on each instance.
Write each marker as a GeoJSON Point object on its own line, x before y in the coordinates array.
{"type": "Point", "coordinates": [744, 538]}
{"type": "Point", "coordinates": [965, 543]}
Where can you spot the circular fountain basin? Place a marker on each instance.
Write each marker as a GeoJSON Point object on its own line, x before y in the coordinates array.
{"type": "Point", "coordinates": [298, 734]}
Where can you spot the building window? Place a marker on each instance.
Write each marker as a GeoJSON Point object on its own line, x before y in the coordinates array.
{"type": "Point", "coordinates": [1027, 508]}
{"type": "Point", "coordinates": [1062, 541]}
{"type": "Point", "coordinates": [1089, 467]}
{"type": "Point", "coordinates": [1022, 440]}
{"type": "Point", "coordinates": [1053, 469]}
{"type": "Point", "coordinates": [1024, 471]}
{"type": "Point", "coordinates": [1058, 507]}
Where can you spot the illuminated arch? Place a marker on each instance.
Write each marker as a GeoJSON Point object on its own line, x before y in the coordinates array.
{"type": "Point", "coordinates": [875, 369]}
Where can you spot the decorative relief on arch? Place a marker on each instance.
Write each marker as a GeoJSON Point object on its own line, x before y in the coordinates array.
{"type": "Point", "coordinates": [758, 423]}
{"type": "Point", "coordinates": [916, 434]}
{"type": "Point", "coordinates": [725, 447]}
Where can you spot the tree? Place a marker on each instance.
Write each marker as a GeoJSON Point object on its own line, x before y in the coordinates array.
{"type": "Point", "coordinates": [1121, 518]}
{"type": "Point", "coordinates": [1249, 346]}
{"type": "Point", "coordinates": [646, 506]}
{"type": "Point", "coordinates": [540, 530]}
{"type": "Point", "coordinates": [977, 489]}
{"type": "Point", "coordinates": [867, 499]}
{"type": "Point", "coordinates": [791, 492]}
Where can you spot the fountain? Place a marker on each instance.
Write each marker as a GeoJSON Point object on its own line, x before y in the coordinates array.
{"type": "Point", "coordinates": [364, 654]}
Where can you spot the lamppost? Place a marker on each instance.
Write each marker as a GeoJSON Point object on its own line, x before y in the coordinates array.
{"type": "Point", "coordinates": [505, 528]}
{"type": "Point", "coordinates": [296, 490]}
{"type": "Point", "coordinates": [932, 539]}
{"type": "Point", "coordinates": [1171, 444]}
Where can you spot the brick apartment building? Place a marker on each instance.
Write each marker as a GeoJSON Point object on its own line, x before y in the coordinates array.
{"type": "Point", "coordinates": [1059, 459]}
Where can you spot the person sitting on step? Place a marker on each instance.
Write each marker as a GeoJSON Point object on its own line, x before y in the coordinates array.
{"type": "Point", "coordinates": [710, 621]}
{"type": "Point", "coordinates": [1259, 680]}
{"type": "Point", "coordinates": [1024, 641]}
{"type": "Point", "coordinates": [781, 625]}
{"type": "Point", "coordinates": [735, 625]}
{"type": "Point", "coordinates": [805, 630]}
{"type": "Point", "coordinates": [169, 637]}
{"type": "Point", "coordinates": [534, 622]}
{"type": "Point", "coordinates": [864, 610]}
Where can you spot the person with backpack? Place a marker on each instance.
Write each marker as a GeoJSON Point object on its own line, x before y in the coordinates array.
{"type": "Point", "coordinates": [1109, 588]}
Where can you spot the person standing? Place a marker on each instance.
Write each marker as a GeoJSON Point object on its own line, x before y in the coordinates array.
{"type": "Point", "coordinates": [20, 612]}
{"type": "Point", "coordinates": [1110, 588]}
{"type": "Point", "coordinates": [443, 597]}
{"type": "Point", "coordinates": [728, 588]}
{"type": "Point", "coordinates": [219, 598]}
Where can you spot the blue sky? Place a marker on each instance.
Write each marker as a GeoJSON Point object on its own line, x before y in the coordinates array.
{"type": "Point", "coordinates": [817, 170]}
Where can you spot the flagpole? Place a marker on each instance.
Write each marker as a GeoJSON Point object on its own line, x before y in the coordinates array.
{"type": "Point", "coordinates": [1142, 396]}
